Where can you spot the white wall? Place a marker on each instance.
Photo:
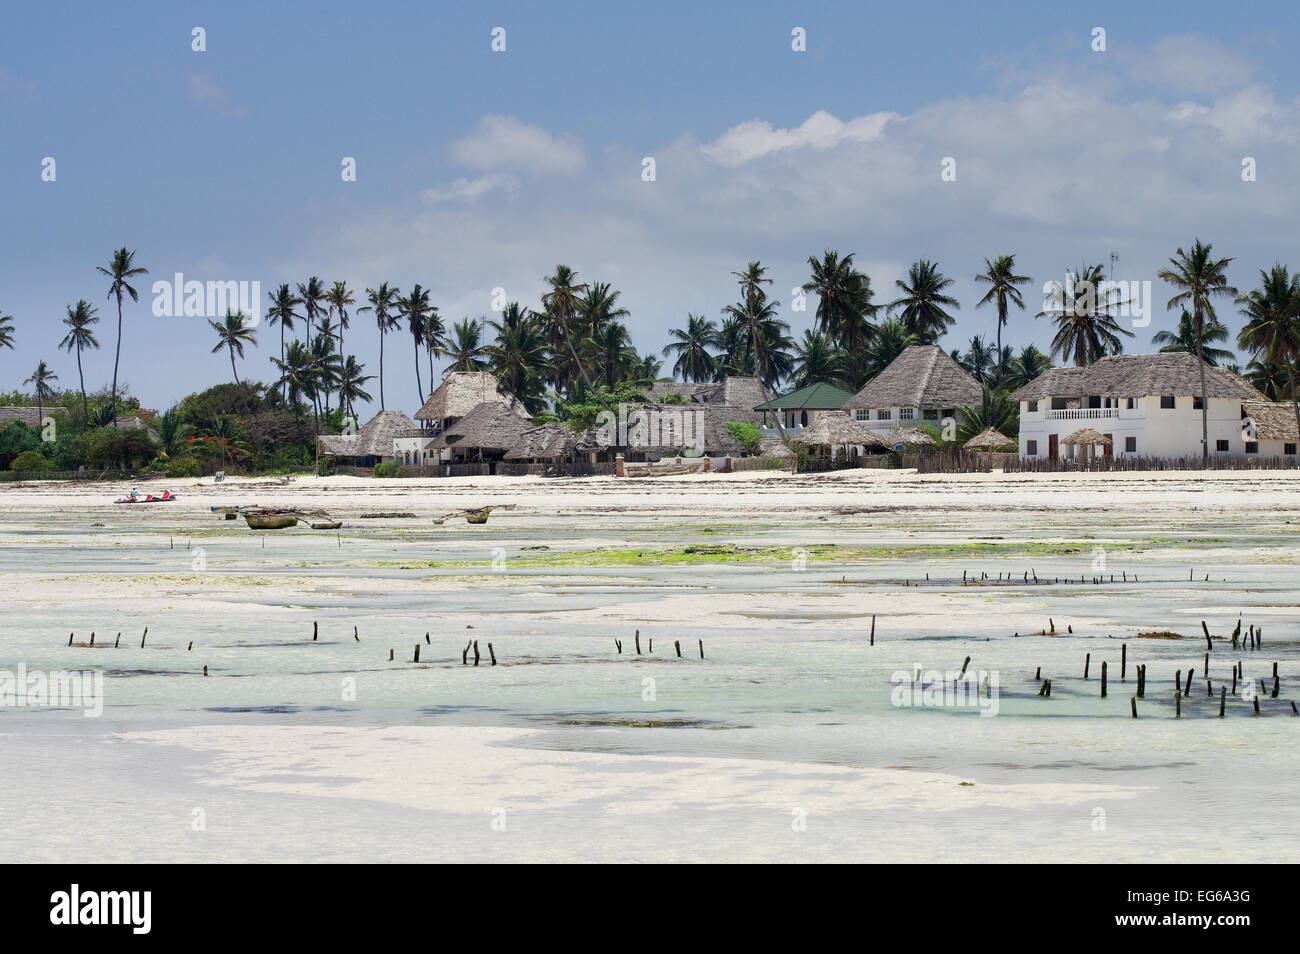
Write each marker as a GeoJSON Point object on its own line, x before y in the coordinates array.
{"type": "Point", "coordinates": [1158, 432]}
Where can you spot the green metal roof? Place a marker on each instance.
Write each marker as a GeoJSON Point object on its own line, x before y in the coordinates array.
{"type": "Point", "coordinates": [817, 397]}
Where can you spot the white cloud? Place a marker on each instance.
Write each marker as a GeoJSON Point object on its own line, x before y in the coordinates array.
{"type": "Point", "coordinates": [504, 142]}
{"type": "Point", "coordinates": [206, 91]}
{"type": "Point", "coordinates": [470, 190]}
{"type": "Point", "coordinates": [1188, 63]}
{"type": "Point", "coordinates": [756, 138]}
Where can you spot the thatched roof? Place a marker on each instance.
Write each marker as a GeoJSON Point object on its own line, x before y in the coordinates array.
{"type": "Point", "coordinates": [31, 416]}
{"type": "Point", "coordinates": [836, 428]}
{"type": "Point", "coordinates": [1138, 375]}
{"type": "Point", "coordinates": [1086, 435]}
{"type": "Point", "coordinates": [991, 439]}
{"type": "Point", "coordinates": [666, 429]}
{"type": "Point", "coordinates": [375, 439]}
{"type": "Point", "coordinates": [461, 392]}
{"type": "Point", "coordinates": [1273, 422]}
{"type": "Point", "coordinates": [923, 376]}
{"type": "Point", "coordinates": [550, 441]}
{"type": "Point", "coordinates": [492, 426]}
{"type": "Point", "coordinates": [136, 423]}
{"type": "Point", "coordinates": [688, 391]}
{"type": "Point", "coordinates": [910, 435]}
{"type": "Point", "coordinates": [733, 397]}
{"type": "Point", "coordinates": [773, 447]}
{"type": "Point", "coordinates": [818, 396]}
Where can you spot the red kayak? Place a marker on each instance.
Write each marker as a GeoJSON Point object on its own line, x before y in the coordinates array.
{"type": "Point", "coordinates": [134, 498]}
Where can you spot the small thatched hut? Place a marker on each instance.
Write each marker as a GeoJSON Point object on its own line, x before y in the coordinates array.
{"type": "Point", "coordinates": [834, 429]}
{"type": "Point", "coordinates": [1089, 440]}
{"type": "Point", "coordinates": [990, 439]}
{"type": "Point", "coordinates": [459, 394]}
{"type": "Point", "coordinates": [909, 437]}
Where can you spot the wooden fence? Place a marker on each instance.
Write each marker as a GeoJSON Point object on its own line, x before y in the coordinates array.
{"type": "Point", "coordinates": [9, 476]}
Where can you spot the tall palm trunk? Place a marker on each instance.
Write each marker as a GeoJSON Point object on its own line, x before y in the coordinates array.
{"type": "Point", "coordinates": [284, 388]}
{"type": "Point", "coordinates": [1295, 398]}
{"type": "Point", "coordinates": [758, 373]}
{"type": "Point", "coordinates": [117, 355]}
{"type": "Point", "coordinates": [1205, 404]}
{"type": "Point", "coordinates": [232, 364]}
{"type": "Point", "coordinates": [419, 385]}
{"type": "Point", "coordinates": [381, 370]}
{"type": "Point", "coordinates": [85, 408]}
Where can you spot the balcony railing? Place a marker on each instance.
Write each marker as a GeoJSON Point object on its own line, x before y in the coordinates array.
{"type": "Point", "coordinates": [1083, 414]}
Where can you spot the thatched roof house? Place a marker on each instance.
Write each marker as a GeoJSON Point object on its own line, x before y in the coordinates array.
{"type": "Point", "coordinates": [1174, 373]}
{"type": "Point", "coordinates": [1272, 422]}
{"type": "Point", "coordinates": [924, 382]}
{"type": "Point", "coordinates": [837, 429]}
{"type": "Point", "coordinates": [800, 407]}
{"type": "Point", "coordinates": [550, 441]}
{"type": "Point", "coordinates": [489, 430]}
{"type": "Point", "coordinates": [734, 397]}
{"type": "Point", "coordinates": [372, 444]}
{"type": "Point", "coordinates": [909, 437]}
{"type": "Point", "coordinates": [990, 439]}
{"type": "Point", "coordinates": [663, 430]}
{"type": "Point", "coordinates": [460, 393]}
{"type": "Point", "coordinates": [31, 416]}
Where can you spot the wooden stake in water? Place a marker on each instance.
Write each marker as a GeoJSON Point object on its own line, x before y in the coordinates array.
{"type": "Point", "coordinates": [492, 653]}
{"type": "Point", "coordinates": [315, 631]}
{"type": "Point", "coordinates": [1178, 704]}
{"type": "Point", "coordinates": [677, 644]}
{"type": "Point", "coordinates": [119, 639]}
{"type": "Point", "coordinates": [1133, 704]}
{"type": "Point", "coordinates": [1223, 701]}
{"type": "Point", "coordinates": [417, 653]}
{"type": "Point", "coordinates": [476, 655]}
{"type": "Point", "coordinates": [638, 642]}
{"type": "Point", "coordinates": [144, 636]}
{"type": "Point", "coordinates": [1123, 662]}
{"type": "Point", "coordinates": [701, 649]}
{"type": "Point", "coordinates": [1103, 679]}
{"type": "Point", "coordinates": [1087, 661]}
{"type": "Point", "coordinates": [873, 629]}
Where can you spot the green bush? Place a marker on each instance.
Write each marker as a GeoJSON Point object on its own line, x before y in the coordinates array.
{"type": "Point", "coordinates": [387, 469]}
{"type": "Point", "coordinates": [30, 460]}
{"type": "Point", "coordinates": [182, 467]}
{"type": "Point", "coordinates": [747, 433]}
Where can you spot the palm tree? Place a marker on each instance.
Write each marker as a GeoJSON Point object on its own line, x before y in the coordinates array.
{"type": "Point", "coordinates": [283, 303]}
{"type": "Point", "coordinates": [1027, 365]}
{"type": "Point", "coordinates": [297, 376]}
{"type": "Point", "coordinates": [351, 381]}
{"type": "Point", "coordinates": [518, 357]}
{"type": "Point", "coordinates": [995, 410]}
{"type": "Point", "coordinates": [312, 294]}
{"type": "Point", "coordinates": [844, 308]}
{"type": "Point", "coordinates": [1201, 279]}
{"type": "Point", "coordinates": [339, 298]}
{"type": "Point", "coordinates": [599, 306]}
{"type": "Point", "coordinates": [465, 348]}
{"type": "Point", "coordinates": [121, 268]}
{"type": "Point", "coordinates": [891, 339]}
{"type": "Point", "coordinates": [41, 378]}
{"type": "Point", "coordinates": [767, 339]}
{"type": "Point", "coordinates": [1086, 328]}
{"type": "Point", "coordinates": [691, 345]}
{"type": "Point", "coordinates": [415, 309]}
{"type": "Point", "coordinates": [6, 331]}
{"type": "Point", "coordinates": [80, 336]}
{"type": "Point", "coordinates": [980, 359]}
{"type": "Point", "coordinates": [561, 308]}
{"type": "Point", "coordinates": [817, 360]}
{"type": "Point", "coordinates": [1272, 329]}
{"type": "Point", "coordinates": [435, 339]}
{"type": "Point", "coordinates": [327, 367]}
{"type": "Point", "coordinates": [232, 334]}
{"type": "Point", "coordinates": [1002, 279]}
{"type": "Point", "coordinates": [384, 302]}
{"type": "Point", "coordinates": [923, 302]}
{"type": "Point", "coordinates": [1184, 339]}
{"type": "Point", "coordinates": [614, 354]}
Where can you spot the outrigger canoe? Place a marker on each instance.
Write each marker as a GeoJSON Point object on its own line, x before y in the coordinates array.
{"type": "Point", "coordinates": [271, 519]}
{"type": "Point", "coordinates": [477, 515]}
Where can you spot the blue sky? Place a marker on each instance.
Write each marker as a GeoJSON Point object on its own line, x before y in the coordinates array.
{"type": "Point", "coordinates": [479, 169]}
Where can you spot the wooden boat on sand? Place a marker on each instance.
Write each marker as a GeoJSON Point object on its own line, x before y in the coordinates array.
{"type": "Point", "coordinates": [475, 515]}
{"type": "Point", "coordinates": [271, 519]}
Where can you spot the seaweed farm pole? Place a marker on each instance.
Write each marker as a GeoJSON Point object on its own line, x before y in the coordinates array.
{"type": "Point", "coordinates": [492, 653]}
{"type": "Point", "coordinates": [476, 655]}
{"type": "Point", "coordinates": [1123, 662]}
{"type": "Point", "coordinates": [1206, 630]}
{"type": "Point", "coordinates": [1187, 690]}
{"type": "Point", "coordinates": [1103, 679]}
{"type": "Point", "coordinates": [118, 640]}
{"type": "Point", "coordinates": [1178, 704]}
{"type": "Point", "coordinates": [638, 642]}
{"type": "Point", "coordinates": [355, 634]}
{"type": "Point", "coordinates": [70, 635]}
{"type": "Point", "coordinates": [1223, 700]}
{"type": "Point", "coordinates": [1133, 704]}
{"type": "Point", "coordinates": [873, 629]}
{"type": "Point", "coordinates": [701, 649]}
{"type": "Point", "coordinates": [677, 644]}
{"type": "Point", "coordinates": [390, 655]}
{"type": "Point", "coordinates": [142, 637]}
{"type": "Point", "coordinates": [417, 653]}
{"type": "Point", "coordinates": [617, 642]}
{"type": "Point", "coordinates": [315, 630]}
{"type": "Point", "coordinates": [1087, 661]}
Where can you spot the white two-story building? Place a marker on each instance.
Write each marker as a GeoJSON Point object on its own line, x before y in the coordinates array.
{"type": "Point", "coordinates": [1149, 405]}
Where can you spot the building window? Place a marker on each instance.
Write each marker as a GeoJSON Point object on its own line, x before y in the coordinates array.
{"type": "Point", "coordinates": [949, 412]}
{"type": "Point", "coordinates": [803, 418]}
{"type": "Point", "coordinates": [1288, 450]}
{"type": "Point", "coordinates": [1221, 446]}
{"type": "Point", "coordinates": [883, 414]}
{"type": "Point", "coordinates": [1059, 403]}
{"type": "Point", "coordinates": [1252, 447]}
{"type": "Point", "coordinates": [1031, 448]}
{"type": "Point", "coordinates": [1130, 445]}
{"type": "Point", "coordinates": [1196, 404]}
{"type": "Point", "coordinates": [1131, 404]}
{"type": "Point", "coordinates": [860, 414]}
{"type": "Point", "coordinates": [1166, 402]}
{"type": "Point", "coordinates": [930, 415]}
{"type": "Point", "coordinates": [1033, 406]}
{"type": "Point", "coordinates": [904, 413]}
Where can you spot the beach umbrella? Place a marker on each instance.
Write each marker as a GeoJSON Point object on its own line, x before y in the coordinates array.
{"type": "Point", "coordinates": [990, 439]}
